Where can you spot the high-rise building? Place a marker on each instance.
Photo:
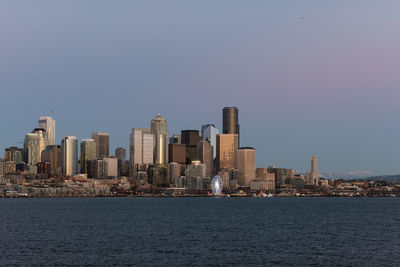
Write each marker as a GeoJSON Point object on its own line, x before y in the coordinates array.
{"type": "Point", "coordinates": [102, 141]}
{"type": "Point", "coordinates": [52, 155]}
{"type": "Point", "coordinates": [69, 152]}
{"type": "Point", "coordinates": [177, 153]}
{"type": "Point", "coordinates": [159, 175]}
{"type": "Point", "coordinates": [49, 124]}
{"type": "Point", "coordinates": [175, 139]}
{"type": "Point", "coordinates": [42, 139]}
{"type": "Point", "coordinates": [105, 168]}
{"type": "Point", "coordinates": [32, 155]}
{"type": "Point", "coordinates": [190, 138]}
{"type": "Point", "coordinates": [141, 148]}
{"type": "Point", "coordinates": [205, 155]}
{"type": "Point", "coordinates": [195, 173]}
{"type": "Point", "coordinates": [209, 133]}
{"type": "Point", "coordinates": [14, 154]}
{"type": "Point", "coordinates": [120, 154]}
{"type": "Point", "coordinates": [246, 163]}
{"type": "Point", "coordinates": [312, 177]}
{"type": "Point", "coordinates": [88, 153]}
{"type": "Point", "coordinates": [230, 121]}
{"type": "Point", "coordinates": [175, 173]}
{"type": "Point", "coordinates": [227, 147]}
{"type": "Point", "coordinates": [160, 133]}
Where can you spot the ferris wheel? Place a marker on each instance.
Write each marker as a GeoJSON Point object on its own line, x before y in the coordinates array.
{"type": "Point", "coordinates": [216, 185]}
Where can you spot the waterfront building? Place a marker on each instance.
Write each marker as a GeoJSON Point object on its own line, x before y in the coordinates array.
{"type": "Point", "coordinates": [246, 163]}
{"type": "Point", "coordinates": [160, 134]}
{"type": "Point", "coordinates": [281, 175]}
{"type": "Point", "coordinates": [159, 175]}
{"type": "Point", "coordinates": [227, 147]}
{"type": "Point", "coordinates": [256, 185]}
{"type": "Point", "coordinates": [205, 155]}
{"type": "Point", "coordinates": [7, 167]}
{"type": "Point", "coordinates": [209, 133]}
{"type": "Point", "coordinates": [69, 152]}
{"type": "Point", "coordinates": [102, 141]}
{"type": "Point", "coordinates": [105, 168]}
{"type": "Point", "coordinates": [195, 173]}
{"type": "Point", "coordinates": [49, 124]}
{"type": "Point", "coordinates": [262, 174]}
{"type": "Point", "coordinates": [88, 153]}
{"type": "Point", "coordinates": [230, 121]}
{"type": "Point", "coordinates": [52, 155]}
{"type": "Point", "coordinates": [312, 176]}
{"type": "Point", "coordinates": [175, 173]}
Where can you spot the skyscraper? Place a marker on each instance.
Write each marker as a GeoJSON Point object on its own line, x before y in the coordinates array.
{"type": "Point", "coordinates": [227, 146]}
{"type": "Point", "coordinates": [49, 124]}
{"type": "Point", "coordinates": [32, 154]}
{"type": "Point", "coordinates": [42, 140]}
{"type": "Point", "coordinates": [230, 120]}
{"type": "Point", "coordinates": [205, 155]}
{"type": "Point", "coordinates": [102, 141]}
{"type": "Point", "coordinates": [88, 153]}
{"type": "Point", "coordinates": [246, 163]}
{"type": "Point", "coordinates": [52, 155]}
{"type": "Point", "coordinates": [69, 151]}
{"type": "Point", "coordinates": [177, 153]}
{"type": "Point", "coordinates": [160, 133]}
{"type": "Point", "coordinates": [120, 154]}
{"type": "Point", "coordinates": [312, 177]}
{"type": "Point", "coordinates": [209, 133]}
{"type": "Point", "coordinates": [141, 148]}
{"type": "Point", "coordinates": [14, 154]}
{"type": "Point", "coordinates": [190, 138]}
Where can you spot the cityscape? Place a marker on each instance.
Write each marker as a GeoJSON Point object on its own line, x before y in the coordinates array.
{"type": "Point", "coordinates": [158, 163]}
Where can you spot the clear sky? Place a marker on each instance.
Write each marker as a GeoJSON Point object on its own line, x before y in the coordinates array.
{"type": "Point", "coordinates": [307, 76]}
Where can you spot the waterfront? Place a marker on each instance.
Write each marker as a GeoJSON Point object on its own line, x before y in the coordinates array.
{"type": "Point", "coordinates": [200, 231]}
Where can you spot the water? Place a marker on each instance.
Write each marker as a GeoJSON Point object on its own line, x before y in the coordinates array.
{"type": "Point", "coordinates": [200, 231]}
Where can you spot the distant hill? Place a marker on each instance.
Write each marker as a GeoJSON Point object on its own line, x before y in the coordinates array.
{"type": "Point", "coordinates": [384, 178]}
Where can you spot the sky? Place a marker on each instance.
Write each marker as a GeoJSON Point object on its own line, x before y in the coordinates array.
{"type": "Point", "coordinates": [307, 76]}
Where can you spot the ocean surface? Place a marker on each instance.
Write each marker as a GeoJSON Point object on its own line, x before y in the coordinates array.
{"type": "Point", "coordinates": [200, 231]}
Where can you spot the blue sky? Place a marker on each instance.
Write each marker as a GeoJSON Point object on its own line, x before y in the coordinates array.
{"type": "Point", "coordinates": [327, 83]}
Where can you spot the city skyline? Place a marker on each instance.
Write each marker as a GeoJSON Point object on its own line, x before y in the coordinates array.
{"type": "Point", "coordinates": [320, 79]}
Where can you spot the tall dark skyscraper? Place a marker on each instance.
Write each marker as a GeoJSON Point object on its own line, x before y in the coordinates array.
{"type": "Point", "coordinates": [230, 121]}
{"type": "Point", "coordinates": [190, 138]}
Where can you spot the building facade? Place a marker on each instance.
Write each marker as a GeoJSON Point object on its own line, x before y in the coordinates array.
{"type": "Point", "coordinates": [88, 153]}
{"type": "Point", "coordinates": [160, 135]}
{"type": "Point", "coordinates": [69, 152]}
{"type": "Point", "coordinates": [52, 155]}
{"type": "Point", "coordinates": [230, 121]}
{"type": "Point", "coordinates": [227, 147]}
{"type": "Point", "coordinates": [49, 124]}
{"type": "Point", "coordinates": [312, 176]}
{"type": "Point", "coordinates": [102, 141]}
{"type": "Point", "coordinates": [209, 133]}
{"type": "Point", "coordinates": [246, 163]}
{"type": "Point", "coordinates": [32, 154]}
{"type": "Point", "coordinates": [205, 155]}
{"type": "Point", "coordinates": [141, 148]}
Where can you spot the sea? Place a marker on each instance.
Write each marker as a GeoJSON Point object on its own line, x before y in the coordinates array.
{"type": "Point", "coordinates": [200, 232]}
